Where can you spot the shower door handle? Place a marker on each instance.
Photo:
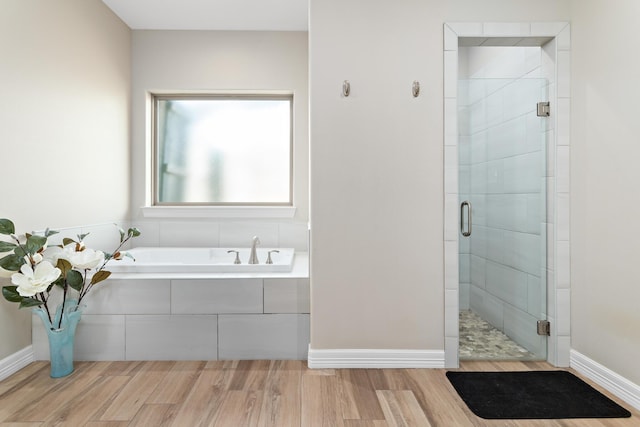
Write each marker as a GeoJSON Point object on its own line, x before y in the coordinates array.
{"type": "Point", "coordinates": [466, 204]}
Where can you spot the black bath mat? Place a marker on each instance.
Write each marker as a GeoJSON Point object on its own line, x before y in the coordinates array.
{"type": "Point", "coordinates": [532, 395]}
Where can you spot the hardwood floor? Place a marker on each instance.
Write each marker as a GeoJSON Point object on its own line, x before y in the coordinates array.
{"type": "Point", "coordinates": [251, 393]}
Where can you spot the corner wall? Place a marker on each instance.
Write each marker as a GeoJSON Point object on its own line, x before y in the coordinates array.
{"type": "Point", "coordinates": [604, 184]}
{"type": "Point", "coordinates": [64, 124]}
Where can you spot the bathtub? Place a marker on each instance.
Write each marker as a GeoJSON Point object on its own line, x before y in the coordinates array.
{"type": "Point", "coordinates": [201, 260]}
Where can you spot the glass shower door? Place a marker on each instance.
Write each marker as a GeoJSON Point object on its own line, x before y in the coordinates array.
{"type": "Point", "coordinates": [502, 188]}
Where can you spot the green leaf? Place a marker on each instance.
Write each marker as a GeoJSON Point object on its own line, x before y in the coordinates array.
{"type": "Point", "coordinates": [121, 231]}
{"type": "Point", "coordinates": [48, 233]}
{"type": "Point", "coordinates": [67, 241]}
{"type": "Point", "coordinates": [82, 236]}
{"type": "Point", "coordinates": [20, 252]}
{"type": "Point", "coordinates": [10, 293]}
{"type": "Point", "coordinates": [12, 262]}
{"type": "Point", "coordinates": [30, 302]}
{"type": "Point", "coordinates": [64, 266]}
{"type": "Point", "coordinates": [6, 226]}
{"type": "Point", "coordinates": [7, 247]}
{"type": "Point", "coordinates": [35, 243]}
{"type": "Point", "coordinates": [59, 283]}
{"type": "Point", "coordinates": [74, 279]}
{"type": "Point", "coordinates": [134, 232]}
{"type": "Point", "coordinates": [100, 276]}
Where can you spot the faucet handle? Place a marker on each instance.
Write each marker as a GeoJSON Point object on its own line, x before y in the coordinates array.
{"type": "Point", "coordinates": [269, 261]}
{"type": "Point", "coordinates": [237, 260]}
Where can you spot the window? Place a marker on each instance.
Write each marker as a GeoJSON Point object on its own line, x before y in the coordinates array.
{"type": "Point", "coordinates": [222, 150]}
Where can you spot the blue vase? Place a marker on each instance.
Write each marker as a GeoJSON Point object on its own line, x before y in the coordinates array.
{"type": "Point", "coordinates": [61, 339]}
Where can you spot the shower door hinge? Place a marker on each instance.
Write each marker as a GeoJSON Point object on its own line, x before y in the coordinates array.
{"type": "Point", "coordinates": [544, 327]}
{"type": "Point", "coordinates": [544, 110]}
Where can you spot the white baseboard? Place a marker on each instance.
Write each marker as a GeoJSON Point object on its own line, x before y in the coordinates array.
{"type": "Point", "coordinates": [13, 363]}
{"type": "Point", "coordinates": [614, 383]}
{"type": "Point", "coordinates": [374, 358]}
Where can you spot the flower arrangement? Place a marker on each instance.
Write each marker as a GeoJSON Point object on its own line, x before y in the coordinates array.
{"type": "Point", "coordinates": [40, 269]}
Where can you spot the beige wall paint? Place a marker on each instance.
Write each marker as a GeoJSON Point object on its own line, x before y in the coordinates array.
{"type": "Point", "coordinates": [377, 166]}
{"type": "Point", "coordinates": [220, 61]}
{"type": "Point", "coordinates": [605, 201]}
{"type": "Point", "coordinates": [64, 123]}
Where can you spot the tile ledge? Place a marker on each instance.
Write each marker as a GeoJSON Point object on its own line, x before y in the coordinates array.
{"type": "Point", "coordinates": [218, 211]}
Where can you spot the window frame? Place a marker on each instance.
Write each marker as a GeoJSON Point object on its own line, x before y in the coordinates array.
{"type": "Point", "coordinates": [242, 207]}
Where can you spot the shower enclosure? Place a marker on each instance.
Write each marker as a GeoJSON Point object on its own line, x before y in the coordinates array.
{"type": "Point", "coordinates": [502, 240]}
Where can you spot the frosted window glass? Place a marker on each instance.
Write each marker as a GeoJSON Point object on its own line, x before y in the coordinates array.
{"type": "Point", "coordinates": [223, 151]}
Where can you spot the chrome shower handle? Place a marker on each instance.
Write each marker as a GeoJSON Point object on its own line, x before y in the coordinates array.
{"type": "Point", "coordinates": [462, 206]}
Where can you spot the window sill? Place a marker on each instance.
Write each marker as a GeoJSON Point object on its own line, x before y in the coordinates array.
{"type": "Point", "coordinates": [218, 211]}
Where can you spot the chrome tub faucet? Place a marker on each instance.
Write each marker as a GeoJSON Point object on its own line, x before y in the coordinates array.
{"type": "Point", "coordinates": [253, 258]}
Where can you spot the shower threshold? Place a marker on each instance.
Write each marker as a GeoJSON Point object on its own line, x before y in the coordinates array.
{"type": "Point", "coordinates": [479, 340]}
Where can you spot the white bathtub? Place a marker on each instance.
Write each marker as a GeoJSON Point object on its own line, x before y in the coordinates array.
{"type": "Point", "coordinates": [201, 260]}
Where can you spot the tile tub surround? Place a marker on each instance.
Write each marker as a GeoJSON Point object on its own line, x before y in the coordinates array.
{"type": "Point", "coordinates": [204, 260]}
{"type": "Point", "coordinates": [223, 233]}
{"type": "Point", "coordinates": [194, 317]}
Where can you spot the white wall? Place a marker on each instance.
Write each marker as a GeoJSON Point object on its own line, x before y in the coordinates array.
{"type": "Point", "coordinates": [64, 123]}
{"type": "Point", "coordinates": [605, 201]}
{"type": "Point", "coordinates": [377, 167]}
{"type": "Point", "coordinates": [220, 61]}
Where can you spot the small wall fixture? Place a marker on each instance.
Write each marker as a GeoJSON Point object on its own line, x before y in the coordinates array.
{"type": "Point", "coordinates": [415, 88]}
{"type": "Point", "coordinates": [346, 88]}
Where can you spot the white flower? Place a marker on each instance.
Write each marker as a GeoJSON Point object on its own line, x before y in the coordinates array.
{"type": "Point", "coordinates": [31, 282]}
{"type": "Point", "coordinates": [84, 259]}
{"type": "Point", "coordinates": [78, 256]}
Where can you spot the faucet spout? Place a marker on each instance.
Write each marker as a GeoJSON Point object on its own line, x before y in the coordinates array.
{"type": "Point", "coordinates": [253, 258]}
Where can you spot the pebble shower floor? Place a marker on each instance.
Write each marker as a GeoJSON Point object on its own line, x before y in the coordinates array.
{"type": "Point", "coordinates": [480, 340]}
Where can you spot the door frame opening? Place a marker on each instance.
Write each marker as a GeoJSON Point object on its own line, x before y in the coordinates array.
{"type": "Point", "coordinates": [556, 38]}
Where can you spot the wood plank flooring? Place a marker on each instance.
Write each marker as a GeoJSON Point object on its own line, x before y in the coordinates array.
{"type": "Point", "coordinates": [252, 393]}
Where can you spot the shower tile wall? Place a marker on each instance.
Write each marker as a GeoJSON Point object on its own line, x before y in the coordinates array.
{"type": "Point", "coordinates": [499, 139]}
